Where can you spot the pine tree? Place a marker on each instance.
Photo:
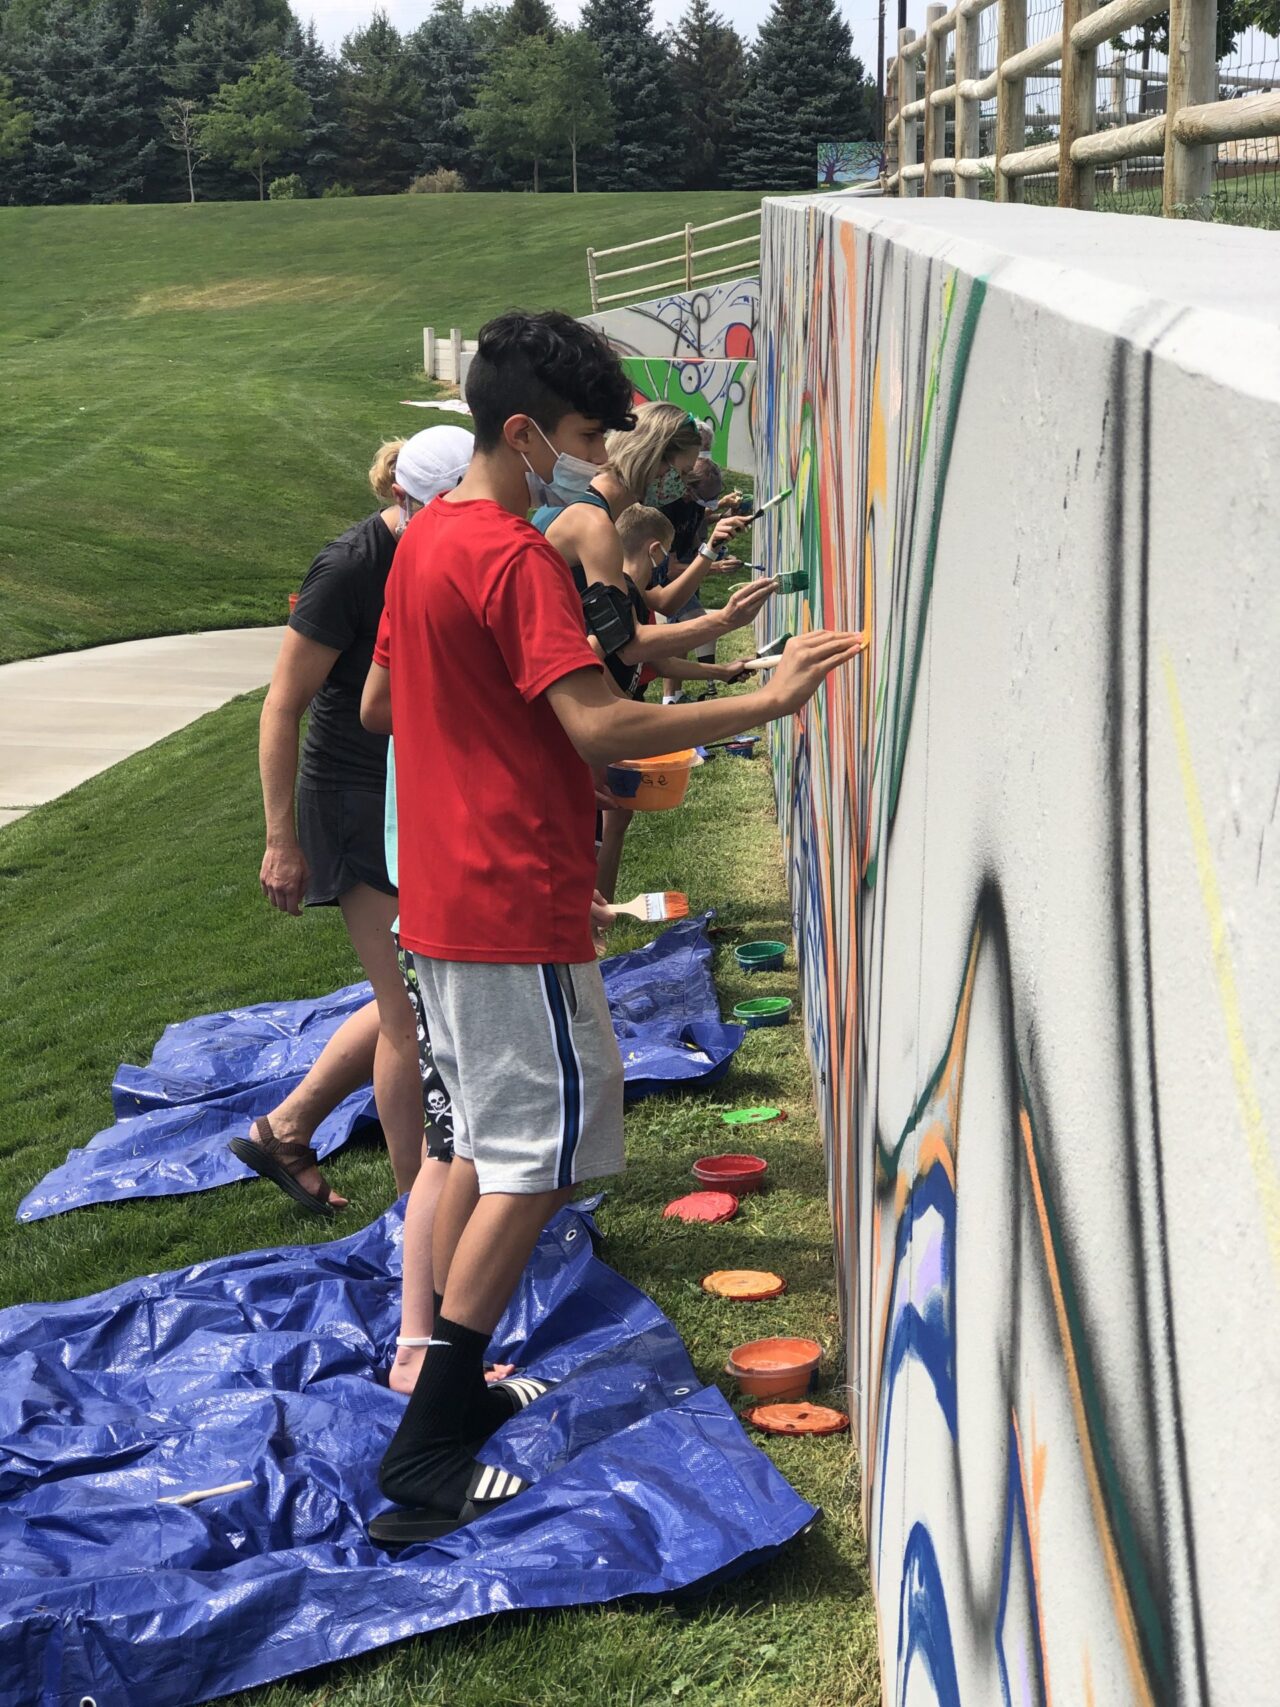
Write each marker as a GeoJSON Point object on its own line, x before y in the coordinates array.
{"type": "Point", "coordinates": [647, 151]}
{"type": "Point", "coordinates": [381, 109]}
{"type": "Point", "coordinates": [805, 86]}
{"type": "Point", "coordinates": [524, 18]}
{"type": "Point", "coordinates": [223, 44]}
{"type": "Point", "coordinates": [442, 52]}
{"type": "Point", "coordinates": [708, 65]}
{"type": "Point", "coordinates": [90, 85]}
{"type": "Point", "coordinates": [315, 71]}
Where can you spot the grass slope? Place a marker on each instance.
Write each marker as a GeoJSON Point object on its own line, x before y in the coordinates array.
{"type": "Point", "coordinates": [133, 901]}
{"type": "Point", "coordinates": [193, 393]}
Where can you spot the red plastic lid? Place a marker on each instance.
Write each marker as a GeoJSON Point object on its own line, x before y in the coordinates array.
{"type": "Point", "coordinates": [797, 1419]}
{"type": "Point", "coordinates": [703, 1206]}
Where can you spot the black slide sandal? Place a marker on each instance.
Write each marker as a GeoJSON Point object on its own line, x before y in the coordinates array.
{"type": "Point", "coordinates": [406, 1526]}
{"type": "Point", "coordinates": [280, 1162]}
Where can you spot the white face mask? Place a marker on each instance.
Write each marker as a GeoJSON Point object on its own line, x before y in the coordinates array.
{"type": "Point", "coordinates": [571, 476]}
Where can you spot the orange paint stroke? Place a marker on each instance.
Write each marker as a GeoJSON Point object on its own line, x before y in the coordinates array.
{"type": "Point", "coordinates": [1031, 1505]}
{"type": "Point", "coordinates": [1115, 1577]}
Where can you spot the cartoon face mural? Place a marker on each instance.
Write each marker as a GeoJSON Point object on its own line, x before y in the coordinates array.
{"type": "Point", "coordinates": [1031, 841]}
{"type": "Point", "coordinates": [698, 350]}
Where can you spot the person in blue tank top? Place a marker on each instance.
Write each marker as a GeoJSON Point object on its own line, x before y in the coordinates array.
{"type": "Point", "coordinates": [577, 514]}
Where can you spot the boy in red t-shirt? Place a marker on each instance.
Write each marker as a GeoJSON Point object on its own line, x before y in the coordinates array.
{"type": "Point", "coordinates": [500, 711]}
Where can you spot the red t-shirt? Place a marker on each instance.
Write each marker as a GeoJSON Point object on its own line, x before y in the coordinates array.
{"type": "Point", "coordinates": [496, 809]}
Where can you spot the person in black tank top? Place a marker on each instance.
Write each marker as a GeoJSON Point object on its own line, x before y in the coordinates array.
{"type": "Point", "coordinates": [328, 850]}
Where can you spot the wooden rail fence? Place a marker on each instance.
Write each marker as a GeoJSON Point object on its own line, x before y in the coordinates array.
{"type": "Point", "coordinates": [681, 265]}
{"type": "Point", "coordinates": [934, 80]}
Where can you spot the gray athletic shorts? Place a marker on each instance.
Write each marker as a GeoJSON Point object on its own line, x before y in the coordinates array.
{"type": "Point", "coordinates": [531, 1064]}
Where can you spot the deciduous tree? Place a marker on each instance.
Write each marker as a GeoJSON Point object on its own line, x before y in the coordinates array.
{"type": "Point", "coordinates": [257, 121]}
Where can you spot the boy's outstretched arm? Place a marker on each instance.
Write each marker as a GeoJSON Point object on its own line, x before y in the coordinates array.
{"type": "Point", "coordinates": [605, 729]}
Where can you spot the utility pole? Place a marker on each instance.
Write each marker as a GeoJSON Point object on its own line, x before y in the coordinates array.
{"type": "Point", "coordinates": [880, 71]}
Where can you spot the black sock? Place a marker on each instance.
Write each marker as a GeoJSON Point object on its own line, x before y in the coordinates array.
{"type": "Point", "coordinates": [429, 1460]}
{"type": "Point", "coordinates": [437, 1306]}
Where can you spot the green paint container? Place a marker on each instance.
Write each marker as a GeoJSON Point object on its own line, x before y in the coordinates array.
{"type": "Point", "coordinates": [764, 1010]}
{"type": "Point", "coordinates": [760, 956]}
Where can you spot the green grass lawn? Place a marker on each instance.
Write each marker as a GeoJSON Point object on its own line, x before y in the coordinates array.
{"type": "Point", "coordinates": [193, 394]}
{"type": "Point", "coordinates": [133, 902]}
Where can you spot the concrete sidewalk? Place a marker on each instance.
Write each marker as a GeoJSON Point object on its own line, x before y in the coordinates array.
{"type": "Point", "coordinates": [67, 717]}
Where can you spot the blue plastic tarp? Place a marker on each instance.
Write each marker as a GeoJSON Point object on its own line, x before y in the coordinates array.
{"type": "Point", "coordinates": [210, 1076]}
{"type": "Point", "coordinates": [268, 1367]}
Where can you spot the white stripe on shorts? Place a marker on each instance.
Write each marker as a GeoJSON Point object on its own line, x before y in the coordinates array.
{"type": "Point", "coordinates": [547, 971]}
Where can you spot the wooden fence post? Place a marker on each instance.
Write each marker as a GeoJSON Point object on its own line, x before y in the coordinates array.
{"type": "Point", "coordinates": [906, 127]}
{"type": "Point", "coordinates": [968, 142]}
{"type": "Point", "coordinates": [688, 257]}
{"type": "Point", "coordinates": [1120, 78]}
{"type": "Point", "coordinates": [1078, 106]}
{"type": "Point", "coordinates": [1011, 98]}
{"type": "Point", "coordinates": [591, 280]}
{"type": "Point", "coordinates": [429, 351]}
{"type": "Point", "coordinates": [889, 129]}
{"type": "Point", "coordinates": [455, 342]}
{"type": "Point", "coordinates": [935, 118]}
{"type": "Point", "coordinates": [1193, 80]}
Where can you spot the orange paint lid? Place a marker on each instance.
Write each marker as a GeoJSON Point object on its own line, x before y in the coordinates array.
{"type": "Point", "coordinates": [797, 1419]}
{"type": "Point", "coordinates": [748, 1285]}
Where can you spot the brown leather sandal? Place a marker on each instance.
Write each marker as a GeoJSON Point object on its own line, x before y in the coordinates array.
{"type": "Point", "coordinates": [281, 1163]}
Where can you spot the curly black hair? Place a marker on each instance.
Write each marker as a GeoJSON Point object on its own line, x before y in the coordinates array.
{"type": "Point", "coordinates": [545, 366]}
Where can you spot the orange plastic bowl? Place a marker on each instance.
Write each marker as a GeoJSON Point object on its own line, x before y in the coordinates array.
{"type": "Point", "coordinates": [775, 1368]}
{"type": "Point", "coordinates": [738, 1174]}
{"type": "Point", "coordinates": [663, 780]}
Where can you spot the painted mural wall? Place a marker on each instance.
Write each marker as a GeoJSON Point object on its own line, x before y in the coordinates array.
{"type": "Point", "coordinates": [697, 349]}
{"type": "Point", "coordinates": [1032, 849]}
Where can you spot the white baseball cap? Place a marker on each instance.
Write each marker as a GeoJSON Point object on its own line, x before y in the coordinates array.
{"type": "Point", "coordinates": [433, 461]}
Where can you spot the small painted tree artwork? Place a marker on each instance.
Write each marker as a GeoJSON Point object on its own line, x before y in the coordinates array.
{"type": "Point", "coordinates": [848, 163]}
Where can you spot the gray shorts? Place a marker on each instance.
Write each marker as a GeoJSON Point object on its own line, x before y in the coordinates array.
{"type": "Point", "coordinates": [531, 1064]}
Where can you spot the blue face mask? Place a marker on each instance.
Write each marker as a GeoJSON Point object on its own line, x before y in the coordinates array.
{"type": "Point", "coordinates": [658, 570]}
{"type": "Point", "coordinates": [571, 476]}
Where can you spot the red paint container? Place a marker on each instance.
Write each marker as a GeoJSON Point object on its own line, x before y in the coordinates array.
{"type": "Point", "coordinates": [738, 1174]}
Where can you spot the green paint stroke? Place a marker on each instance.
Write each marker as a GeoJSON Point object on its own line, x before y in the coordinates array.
{"type": "Point", "coordinates": [658, 379]}
{"type": "Point", "coordinates": [964, 344]}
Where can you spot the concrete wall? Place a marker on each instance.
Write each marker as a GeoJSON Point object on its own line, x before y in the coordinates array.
{"type": "Point", "coordinates": [699, 349]}
{"type": "Point", "coordinates": [1033, 855]}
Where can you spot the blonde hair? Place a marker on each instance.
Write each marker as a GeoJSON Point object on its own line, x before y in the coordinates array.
{"type": "Point", "coordinates": [640, 525]}
{"type": "Point", "coordinates": [383, 471]}
{"type": "Point", "coordinates": [637, 457]}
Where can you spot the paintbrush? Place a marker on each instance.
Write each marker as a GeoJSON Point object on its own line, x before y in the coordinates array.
{"type": "Point", "coordinates": [768, 656]}
{"type": "Point", "coordinates": [203, 1493]}
{"type": "Point", "coordinates": [656, 906]}
{"type": "Point", "coordinates": [756, 514]}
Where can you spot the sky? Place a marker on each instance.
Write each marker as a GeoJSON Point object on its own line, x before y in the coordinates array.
{"type": "Point", "coordinates": [337, 18]}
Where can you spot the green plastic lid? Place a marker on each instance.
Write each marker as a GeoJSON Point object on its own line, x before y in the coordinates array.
{"type": "Point", "coordinates": [750, 1116]}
